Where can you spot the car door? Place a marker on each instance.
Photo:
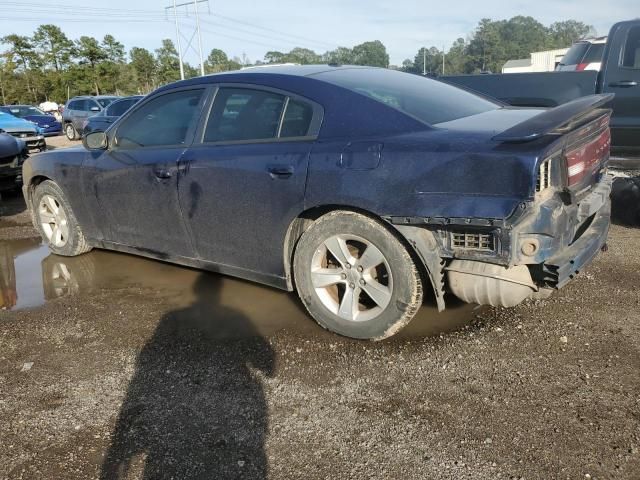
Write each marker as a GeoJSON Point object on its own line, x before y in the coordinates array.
{"type": "Point", "coordinates": [80, 113]}
{"type": "Point", "coordinates": [244, 180]}
{"type": "Point", "coordinates": [135, 180]}
{"type": "Point", "coordinates": [622, 77]}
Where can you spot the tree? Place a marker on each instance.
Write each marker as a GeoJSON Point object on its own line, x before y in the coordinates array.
{"type": "Point", "coordinates": [373, 54]}
{"type": "Point", "coordinates": [144, 66]}
{"type": "Point", "coordinates": [303, 56]}
{"type": "Point", "coordinates": [53, 46]}
{"type": "Point", "coordinates": [22, 52]}
{"type": "Point", "coordinates": [168, 62]}
{"type": "Point", "coordinates": [339, 56]}
{"type": "Point", "coordinates": [564, 34]}
{"type": "Point", "coordinates": [274, 57]}
{"type": "Point", "coordinates": [217, 61]}
{"type": "Point", "coordinates": [90, 54]}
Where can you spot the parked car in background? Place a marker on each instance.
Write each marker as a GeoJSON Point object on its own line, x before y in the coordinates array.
{"type": "Point", "coordinates": [359, 187]}
{"type": "Point", "coordinates": [78, 109]}
{"type": "Point", "coordinates": [583, 55]}
{"type": "Point", "coordinates": [25, 130]}
{"type": "Point", "coordinates": [103, 120]}
{"type": "Point", "coordinates": [620, 75]}
{"type": "Point", "coordinates": [13, 153]}
{"type": "Point", "coordinates": [47, 122]}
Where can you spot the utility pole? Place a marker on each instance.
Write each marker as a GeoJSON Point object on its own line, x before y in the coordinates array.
{"type": "Point", "coordinates": [195, 6]}
{"type": "Point", "coordinates": [442, 59]}
{"type": "Point", "coordinates": [179, 35]}
{"type": "Point", "coordinates": [175, 16]}
{"type": "Point", "coordinates": [424, 61]}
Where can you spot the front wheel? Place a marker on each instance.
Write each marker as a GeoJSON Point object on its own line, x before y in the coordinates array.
{"type": "Point", "coordinates": [56, 222]}
{"type": "Point", "coordinates": [355, 277]}
{"type": "Point", "coordinates": [70, 132]}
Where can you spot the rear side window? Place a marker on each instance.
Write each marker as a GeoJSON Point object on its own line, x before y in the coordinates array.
{"type": "Point", "coordinates": [427, 100]}
{"type": "Point", "coordinates": [164, 120]}
{"type": "Point", "coordinates": [74, 105]}
{"type": "Point", "coordinates": [631, 54]}
{"type": "Point", "coordinates": [116, 109]}
{"type": "Point", "coordinates": [575, 54]}
{"type": "Point", "coordinates": [240, 114]}
{"type": "Point", "coordinates": [297, 119]}
{"type": "Point", "coordinates": [594, 54]}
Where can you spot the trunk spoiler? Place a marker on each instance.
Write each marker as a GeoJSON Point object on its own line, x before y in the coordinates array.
{"type": "Point", "coordinates": [557, 120]}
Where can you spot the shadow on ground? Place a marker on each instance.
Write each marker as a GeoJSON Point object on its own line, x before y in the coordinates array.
{"type": "Point", "coordinates": [201, 356]}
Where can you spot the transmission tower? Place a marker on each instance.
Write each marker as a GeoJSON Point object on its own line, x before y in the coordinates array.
{"type": "Point", "coordinates": [186, 9]}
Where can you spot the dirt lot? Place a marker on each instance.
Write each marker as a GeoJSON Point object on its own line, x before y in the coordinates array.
{"type": "Point", "coordinates": [113, 366]}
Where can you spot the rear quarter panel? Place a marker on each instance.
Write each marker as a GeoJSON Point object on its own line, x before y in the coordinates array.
{"type": "Point", "coordinates": [432, 174]}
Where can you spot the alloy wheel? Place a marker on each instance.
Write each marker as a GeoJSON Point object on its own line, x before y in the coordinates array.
{"type": "Point", "coordinates": [351, 277]}
{"type": "Point", "coordinates": [53, 220]}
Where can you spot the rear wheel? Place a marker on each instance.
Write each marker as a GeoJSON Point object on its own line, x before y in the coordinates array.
{"type": "Point", "coordinates": [355, 277]}
{"type": "Point", "coordinates": [70, 131]}
{"type": "Point", "coordinates": [56, 222]}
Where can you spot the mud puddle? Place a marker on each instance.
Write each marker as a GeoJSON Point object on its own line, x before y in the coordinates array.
{"type": "Point", "coordinates": [31, 276]}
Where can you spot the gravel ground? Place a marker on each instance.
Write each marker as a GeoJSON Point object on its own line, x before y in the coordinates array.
{"type": "Point", "coordinates": [159, 371]}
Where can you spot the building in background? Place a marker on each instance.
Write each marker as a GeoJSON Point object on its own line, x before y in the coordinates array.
{"type": "Point", "coordinates": [538, 62]}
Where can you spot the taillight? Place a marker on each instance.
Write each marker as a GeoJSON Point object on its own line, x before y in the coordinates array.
{"type": "Point", "coordinates": [582, 160]}
{"type": "Point", "coordinates": [581, 66]}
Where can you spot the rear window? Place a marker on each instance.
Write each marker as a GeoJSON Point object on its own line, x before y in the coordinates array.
{"type": "Point", "coordinates": [594, 55]}
{"type": "Point", "coordinates": [575, 54]}
{"type": "Point", "coordinates": [427, 100]}
{"type": "Point", "coordinates": [105, 101]}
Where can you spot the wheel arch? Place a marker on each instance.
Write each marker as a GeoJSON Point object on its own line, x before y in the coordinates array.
{"type": "Point", "coordinates": [417, 244]}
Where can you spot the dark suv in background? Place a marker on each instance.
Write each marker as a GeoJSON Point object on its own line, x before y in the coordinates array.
{"type": "Point", "coordinates": [103, 120]}
{"type": "Point", "coordinates": [78, 109]}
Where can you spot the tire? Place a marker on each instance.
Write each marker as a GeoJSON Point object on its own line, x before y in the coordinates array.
{"type": "Point", "coordinates": [56, 222]}
{"type": "Point", "coordinates": [394, 282]}
{"type": "Point", "coordinates": [70, 131]}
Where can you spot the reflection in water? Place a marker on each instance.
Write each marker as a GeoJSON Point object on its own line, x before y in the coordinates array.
{"type": "Point", "coordinates": [19, 259]}
{"type": "Point", "coordinates": [42, 277]}
{"type": "Point", "coordinates": [195, 407]}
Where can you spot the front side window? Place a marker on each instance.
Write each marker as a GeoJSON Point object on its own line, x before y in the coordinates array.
{"type": "Point", "coordinates": [631, 55]}
{"type": "Point", "coordinates": [164, 120]}
{"type": "Point", "coordinates": [240, 114]}
{"type": "Point", "coordinates": [92, 106]}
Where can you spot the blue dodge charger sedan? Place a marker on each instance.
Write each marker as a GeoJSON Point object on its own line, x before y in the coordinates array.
{"type": "Point", "coordinates": [360, 188]}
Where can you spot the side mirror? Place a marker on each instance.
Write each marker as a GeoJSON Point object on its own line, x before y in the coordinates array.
{"type": "Point", "coordinates": [95, 141]}
{"type": "Point", "coordinates": [95, 109]}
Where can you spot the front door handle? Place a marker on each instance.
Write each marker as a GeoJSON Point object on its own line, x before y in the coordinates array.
{"type": "Point", "coordinates": [624, 84]}
{"type": "Point", "coordinates": [280, 171]}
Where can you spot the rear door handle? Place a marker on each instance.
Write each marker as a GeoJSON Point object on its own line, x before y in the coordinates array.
{"type": "Point", "coordinates": [624, 83]}
{"type": "Point", "coordinates": [280, 171]}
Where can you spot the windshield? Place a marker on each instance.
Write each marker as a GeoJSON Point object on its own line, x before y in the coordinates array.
{"type": "Point", "coordinates": [105, 101]}
{"type": "Point", "coordinates": [24, 110]}
{"type": "Point", "coordinates": [575, 54]}
{"type": "Point", "coordinates": [427, 100]}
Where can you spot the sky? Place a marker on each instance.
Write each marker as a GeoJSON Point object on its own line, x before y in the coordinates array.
{"type": "Point", "coordinates": [254, 27]}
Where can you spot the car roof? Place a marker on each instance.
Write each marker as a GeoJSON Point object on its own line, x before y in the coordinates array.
{"type": "Point", "coordinates": [82, 97]}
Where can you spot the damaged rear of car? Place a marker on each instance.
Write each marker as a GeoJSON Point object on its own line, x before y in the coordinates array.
{"type": "Point", "coordinates": [545, 183]}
